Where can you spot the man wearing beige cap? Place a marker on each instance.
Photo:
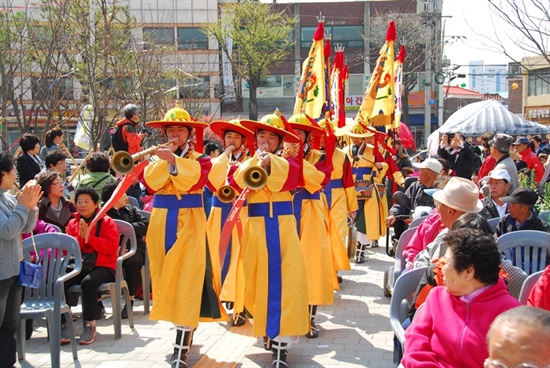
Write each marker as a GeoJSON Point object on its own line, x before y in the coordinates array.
{"type": "Point", "coordinates": [428, 170]}
{"type": "Point", "coordinates": [458, 197]}
{"type": "Point", "coordinates": [499, 183]}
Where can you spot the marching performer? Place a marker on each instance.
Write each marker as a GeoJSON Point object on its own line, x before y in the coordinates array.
{"type": "Point", "coordinates": [184, 287]}
{"type": "Point", "coordinates": [313, 220]}
{"type": "Point", "coordinates": [340, 191]}
{"type": "Point", "coordinates": [276, 287]}
{"type": "Point", "coordinates": [368, 169]}
{"type": "Point", "coordinates": [234, 138]}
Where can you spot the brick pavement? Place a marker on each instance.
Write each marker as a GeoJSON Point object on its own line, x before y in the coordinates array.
{"type": "Point", "coordinates": [354, 332]}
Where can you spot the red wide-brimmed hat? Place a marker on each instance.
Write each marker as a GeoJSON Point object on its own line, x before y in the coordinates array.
{"type": "Point", "coordinates": [219, 127]}
{"type": "Point", "coordinates": [274, 123]}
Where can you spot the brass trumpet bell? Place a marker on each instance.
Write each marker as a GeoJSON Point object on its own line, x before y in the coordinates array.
{"type": "Point", "coordinates": [226, 194]}
{"type": "Point", "coordinates": [122, 162]}
{"type": "Point", "coordinates": [255, 177]}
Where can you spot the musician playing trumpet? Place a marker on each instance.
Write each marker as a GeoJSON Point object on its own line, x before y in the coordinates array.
{"type": "Point", "coordinates": [182, 268]}
{"type": "Point", "coordinates": [234, 138]}
{"type": "Point", "coordinates": [276, 286]}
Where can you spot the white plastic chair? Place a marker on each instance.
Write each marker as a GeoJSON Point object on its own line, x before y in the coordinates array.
{"type": "Point", "coordinates": [526, 249]}
{"type": "Point", "coordinates": [403, 292]}
{"type": "Point", "coordinates": [417, 221]}
{"type": "Point", "coordinates": [493, 223]}
{"type": "Point", "coordinates": [527, 286]}
{"type": "Point", "coordinates": [119, 287]}
{"type": "Point", "coordinates": [49, 300]}
{"type": "Point", "coordinates": [544, 216]}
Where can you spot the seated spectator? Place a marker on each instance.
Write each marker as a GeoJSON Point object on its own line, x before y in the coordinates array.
{"type": "Point", "coordinates": [102, 240]}
{"type": "Point", "coordinates": [543, 157]}
{"type": "Point", "coordinates": [521, 213]}
{"type": "Point", "coordinates": [540, 294]}
{"type": "Point", "coordinates": [135, 191]}
{"type": "Point", "coordinates": [450, 330]}
{"type": "Point", "coordinates": [427, 231]}
{"type": "Point", "coordinates": [519, 337]}
{"type": "Point", "coordinates": [126, 212]}
{"type": "Point", "coordinates": [427, 174]}
{"type": "Point", "coordinates": [98, 165]}
{"type": "Point", "coordinates": [514, 276]}
{"type": "Point", "coordinates": [537, 145]}
{"type": "Point", "coordinates": [445, 168]}
{"type": "Point", "coordinates": [499, 183]}
{"type": "Point", "coordinates": [53, 208]}
{"type": "Point", "coordinates": [458, 197]}
{"type": "Point", "coordinates": [29, 163]}
{"type": "Point", "coordinates": [489, 162]}
{"type": "Point", "coordinates": [460, 154]}
{"type": "Point", "coordinates": [56, 160]}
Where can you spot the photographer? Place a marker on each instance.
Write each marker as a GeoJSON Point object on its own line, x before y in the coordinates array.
{"type": "Point", "coordinates": [459, 153]}
{"type": "Point", "coordinates": [127, 130]}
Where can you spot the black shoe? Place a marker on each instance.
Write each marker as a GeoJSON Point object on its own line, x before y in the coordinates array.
{"type": "Point", "coordinates": [100, 311]}
{"type": "Point", "coordinates": [340, 279]}
{"type": "Point", "coordinates": [313, 333]}
{"type": "Point", "coordinates": [124, 312]}
{"type": "Point", "coordinates": [179, 360]}
{"type": "Point", "coordinates": [374, 244]}
{"type": "Point", "coordinates": [360, 253]}
{"type": "Point", "coordinates": [239, 319]}
{"type": "Point", "coordinates": [267, 343]}
{"type": "Point", "coordinates": [279, 355]}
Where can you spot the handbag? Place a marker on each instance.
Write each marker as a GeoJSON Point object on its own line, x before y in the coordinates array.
{"type": "Point", "coordinates": [31, 274]}
{"type": "Point", "coordinates": [88, 262]}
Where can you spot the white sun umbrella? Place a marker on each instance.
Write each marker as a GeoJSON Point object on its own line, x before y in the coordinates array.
{"type": "Point", "coordinates": [485, 116]}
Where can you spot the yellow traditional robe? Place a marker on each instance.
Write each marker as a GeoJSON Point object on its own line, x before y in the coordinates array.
{"type": "Point", "coordinates": [370, 219]}
{"type": "Point", "coordinates": [276, 286]}
{"type": "Point", "coordinates": [182, 268]}
{"type": "Point", "coordinates": [233, 280]}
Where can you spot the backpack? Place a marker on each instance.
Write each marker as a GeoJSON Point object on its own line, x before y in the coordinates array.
{"type": "Point", "coordinates": [117, 140]}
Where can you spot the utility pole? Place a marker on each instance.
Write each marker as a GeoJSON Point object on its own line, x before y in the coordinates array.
{"type": "Point", "coordinates": [429, 12]}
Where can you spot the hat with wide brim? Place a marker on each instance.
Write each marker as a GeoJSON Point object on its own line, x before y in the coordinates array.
{"type": "Point", "coordinates": [220, 127]}
{"type": "Point", "coordinates": [273, 123]}
{"type": "Point", "coordinates": [460, 194]}
{"type": "Point", "coordinates": [176, 116]}
{"type": "Point", "coordinates": [355, 130]}
{"type": "Point", "coordinates": [301, 121]}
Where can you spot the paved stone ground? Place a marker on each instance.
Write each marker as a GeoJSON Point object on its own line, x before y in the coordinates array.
{"type": "Point", "coordinates": [354, 332]}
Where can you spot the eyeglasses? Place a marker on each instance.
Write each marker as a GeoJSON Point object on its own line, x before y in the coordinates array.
{"type": "Point", "coordinates": [58, 183]}
{"type": "Point", "coordinates": [498, 364]}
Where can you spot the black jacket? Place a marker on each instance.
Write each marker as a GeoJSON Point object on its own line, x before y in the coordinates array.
{"type": "Point", "coordinates": [131, 215]}
{"type": "Point", "coordinates": [489, 210]}
{"type": "Point", "coordinates": [417, 197]}
{"type": "Point", "coordinates": [508, 224]}
{"type": "Point", "coordinates": [462, 163]}
{"type": "Point", "coordinates": [27, 168]}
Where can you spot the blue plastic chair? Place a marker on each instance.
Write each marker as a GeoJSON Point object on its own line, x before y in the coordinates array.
{"type": "Point", "coordinates": [493, 223]}
{"type": "Point", "coordinates": [134, 202]}
{"type": "Point", "coordinates": [401, 299]}
{"type": "Point", "coordinates": [527, 286]}
{"type": "Point", "coordinates": [526, 249]}
{"type": "Point", "coordinates": [544, 216]}
{"type": "Point", "coordinates": [49, 300]}
{"type": "Point", "coordinates": [400, 260]}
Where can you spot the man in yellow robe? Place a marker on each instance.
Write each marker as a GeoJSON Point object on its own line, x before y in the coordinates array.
{"type": "Point", "coordinates": [234, 138]}
{"type": "Point", "coordinates": [276, 286]}
{"type": "Point", "coordinates": [185, 289]}
{"type": "Point", "coordinates": [368, 169]}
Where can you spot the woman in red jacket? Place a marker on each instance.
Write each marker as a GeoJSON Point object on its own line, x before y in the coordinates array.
{"type": "Point", "coordinates": [449, 331]}
{"type": "Point", "coordinates": [103, 242]}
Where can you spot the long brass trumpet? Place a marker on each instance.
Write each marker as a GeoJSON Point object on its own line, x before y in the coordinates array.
{"type": "Point", "coordinates": [226, 194]}
{"type": "Point", "coordinates": [255, 177]}
{"type": "Point", "coordinates": [123, 163]}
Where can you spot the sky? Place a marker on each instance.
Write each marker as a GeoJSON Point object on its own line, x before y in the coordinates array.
{"type": "Point", "coordinates": [473, 25]}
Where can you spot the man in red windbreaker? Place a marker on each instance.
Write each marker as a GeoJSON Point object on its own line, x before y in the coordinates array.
{"type": "Point", "coordinates": [529, 157]}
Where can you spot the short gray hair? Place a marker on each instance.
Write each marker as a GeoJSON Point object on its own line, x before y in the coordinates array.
{"type": "Point", "coordinates": [130, 110]}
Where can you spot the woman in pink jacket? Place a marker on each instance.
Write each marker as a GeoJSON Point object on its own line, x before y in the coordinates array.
{"type": "Point", "coordinates": [450, 330]}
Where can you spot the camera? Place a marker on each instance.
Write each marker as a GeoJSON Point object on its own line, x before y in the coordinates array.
{"type": "Point", "coordinates": [450, 137]}
{"type": "Point", "coordinates": [144, 129]}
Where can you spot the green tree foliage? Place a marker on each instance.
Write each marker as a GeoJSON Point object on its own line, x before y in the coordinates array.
{"type": "Point", "coordinates": [261, 39]}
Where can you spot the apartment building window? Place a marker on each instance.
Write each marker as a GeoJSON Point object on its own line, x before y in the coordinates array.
{"type": "Point", "coordinates": [348, 36]}
{"type": "Point", "coordinates": [191, 39]}
{"type": "Point", "coordinates": [156, 36]}
{"type": "Point", "coordinates": [539, 82]}
{"type": "Point", "coordinates": [60, 88]}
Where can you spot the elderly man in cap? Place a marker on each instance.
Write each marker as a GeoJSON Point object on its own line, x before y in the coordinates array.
{"type": "Point", "coordinates": [521, 213]}
{"type": "Point", "coordinates": [499, 183]}
{"type": "Point", "coordinates": [458, 197]}
{"type": "Point", "coordinates": [529, 157]}
{"type": "Point", "coordinates": [500, 151]}
{"type": "Point", "coordinates": [427, 174]}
